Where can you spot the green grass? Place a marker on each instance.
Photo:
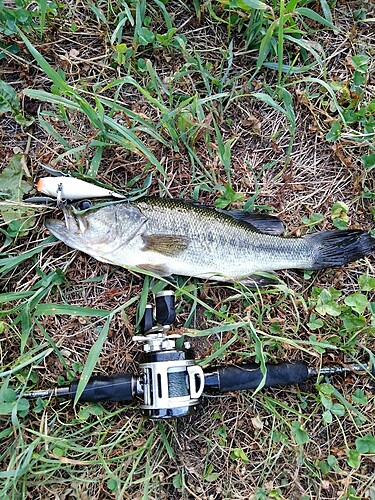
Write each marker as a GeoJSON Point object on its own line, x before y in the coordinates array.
{"type": "Point", "coordinates": [218, 103]}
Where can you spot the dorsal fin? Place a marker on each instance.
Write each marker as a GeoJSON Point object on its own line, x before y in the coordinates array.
{"type": "Point", "coordinates": [264, 223]}
{"type": "Point", "coordinates": [261, 222]}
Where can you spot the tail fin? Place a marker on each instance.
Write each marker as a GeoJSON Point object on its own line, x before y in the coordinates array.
{"type": "Point", "coordinates": [337, 248]}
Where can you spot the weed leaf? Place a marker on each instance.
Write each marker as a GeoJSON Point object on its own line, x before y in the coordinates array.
{"type": "Point", "coordinates": [9, 103]}
{"type": "Point", "coordinates": [92, 359]}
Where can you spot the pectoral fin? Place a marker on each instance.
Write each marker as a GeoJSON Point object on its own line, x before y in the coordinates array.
{"type": "Point", "coordinates": [167, 244]}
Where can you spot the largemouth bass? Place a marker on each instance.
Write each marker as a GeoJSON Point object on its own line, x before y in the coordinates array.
{"type": "Point", "coordinates": [169, 237]}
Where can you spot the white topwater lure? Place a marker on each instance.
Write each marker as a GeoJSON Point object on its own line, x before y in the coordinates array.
{"type": "Point", "coordinates": [71, 188]}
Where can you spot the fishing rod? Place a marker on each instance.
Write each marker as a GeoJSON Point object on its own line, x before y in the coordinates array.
{"type": "Point", "coordinates": [171, 384]}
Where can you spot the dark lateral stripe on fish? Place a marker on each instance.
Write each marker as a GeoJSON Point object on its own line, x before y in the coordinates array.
{"type": "Point", "coordinates": [337, 248]}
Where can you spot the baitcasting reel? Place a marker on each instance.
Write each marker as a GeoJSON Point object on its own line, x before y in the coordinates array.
{"type": "Point", "coordinates": [171, 383]}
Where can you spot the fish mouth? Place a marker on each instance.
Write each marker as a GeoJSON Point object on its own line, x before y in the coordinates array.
{"type": "Point", "coordinates": [70, 230]}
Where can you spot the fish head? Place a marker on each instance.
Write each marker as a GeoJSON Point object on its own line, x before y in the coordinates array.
{"type": "Point", "coordinates": [97, 231]}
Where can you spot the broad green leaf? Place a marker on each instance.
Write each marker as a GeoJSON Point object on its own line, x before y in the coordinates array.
{"type": "Point", "coordinates": [9, 103]}
{"type": "Point", "coordinates": [6, 433]}
{"type": "Point", "coordinates": [326, 389]}
{"type": "Point", "coordinates": [359, 398]}
{"type": "Point", "coordinates": [366, 282]}
{"type": "Point", "coordinates": [12, 296]}
{"type": "Point", "coordinates": [290, 69]}
{"type": "Point", "coordinates": [251, 4]}
{"type": "Point", "coordinates": [178, 481]}
{"type": "Point", "coordinates": [327, 417]}
{"type": "Point", "coordinates": [326, 10]}
{"type": "Point", "coordinates": [352, 321]}
{"type": "Point", "coordinates": [13, 187]}
{"type": "Point", "coordinates": [313, 220]}
{"type": "Point", "coordinates": [265, 44]}
{"type": "Point", "coordinates": [353, 459]}
{"type": "Point", "coordinates": [326, 402]}
{"type": "Point", "coordinates": [338, 409]}
{"type": "Point", "coordinates": [357, 301]}
{"type": "Point", "coordinates": [144, 36]}
{"type": "Point", "coordinates": [323, 466]}
{"type": "Point", "coordinates": [113, 484]}
{"type": "Point", "coordinates": [361, 62]}
{"type": "Point", "coordinates": [314, 322]}
{"type": "Point", "coordinates": [335, 132]}
{"type": "Point", "coordinates": [228, 197]}
{"type": "Point", "coordinates": [332, 462]}
{"type": "Point", "coordinates": [327, 304]}
{"type": "Point", "coordinates": [339, 210]}
{"type": "Point", "coordinates": [366, 444]}
{"type": "Point", "coordinates": [210, 476]}
{"type": "Point", "coordinates": [368, 161]}
{"type": "Point", "coordinates": [10, 401]}
{"type": "Point", "coordinates": [238, 453]}
{"type": "Point", "coordinates": [291, 5]}
{"type": "Point", "coordinates": [299, 434]}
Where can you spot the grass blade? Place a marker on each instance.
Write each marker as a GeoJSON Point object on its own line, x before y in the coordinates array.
{"type": "Point", "coordinates": [46, 67]}
{"type": "Point", "coordinates": [50, 309]}
{"type": "Point", "coordinates": [9, 263]}
{"type": "Point", "coordinates": [26, 360]}
{"type": "Point", "coordinates": [92, 358]}
{"type": "Point", "coordinates": [314, 16]}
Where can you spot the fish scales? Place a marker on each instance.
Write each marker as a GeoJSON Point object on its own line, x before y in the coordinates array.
{"type": "Point", "coordinates": [218, 243]}
{"type": "Point", "coordinates": [174, 237]}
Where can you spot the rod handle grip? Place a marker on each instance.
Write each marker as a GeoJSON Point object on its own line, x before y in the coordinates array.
{"type": "Point", "coordinates": [117, 387]}
{"type": "Point", "coordinates": [249, 376]}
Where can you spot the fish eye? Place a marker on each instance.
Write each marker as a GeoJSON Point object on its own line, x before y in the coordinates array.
{"type": "Point", "coordinates": [84, 205]}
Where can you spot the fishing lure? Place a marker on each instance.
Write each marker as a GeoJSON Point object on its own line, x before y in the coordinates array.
{"type": "Point", "coordinates": [71, 188]}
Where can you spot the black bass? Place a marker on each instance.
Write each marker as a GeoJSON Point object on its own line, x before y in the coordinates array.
{"type": "Point", "coordinates": [167, 237]}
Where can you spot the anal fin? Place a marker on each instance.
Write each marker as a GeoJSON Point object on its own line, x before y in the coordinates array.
{"type": "Point", "coordinates": [260, 280]}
